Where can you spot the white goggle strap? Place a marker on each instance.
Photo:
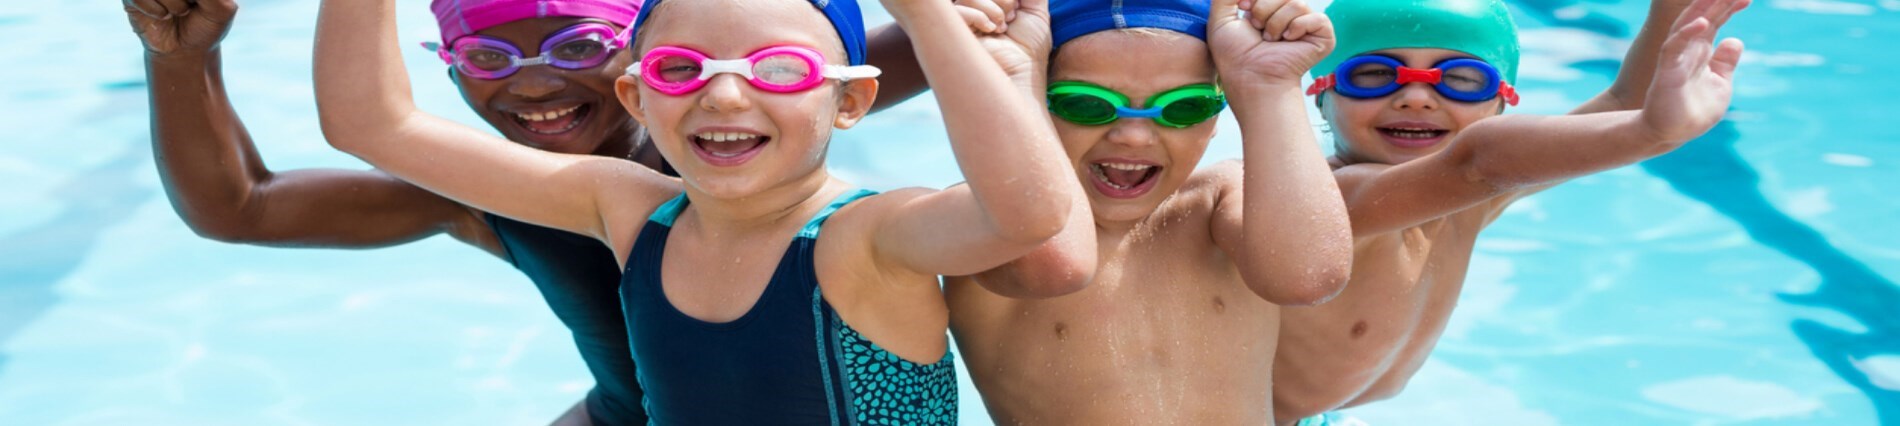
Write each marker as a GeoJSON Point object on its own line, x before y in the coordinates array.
{"type": "Point", "coordinates": [848, 73]}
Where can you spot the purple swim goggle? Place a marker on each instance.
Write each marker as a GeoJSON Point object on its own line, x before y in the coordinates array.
{"type": "Point", "coordinates": [578, 47]}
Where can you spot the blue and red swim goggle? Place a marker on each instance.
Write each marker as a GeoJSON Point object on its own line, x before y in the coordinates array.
{"type": "Point", "coordinates": [1458, 79]}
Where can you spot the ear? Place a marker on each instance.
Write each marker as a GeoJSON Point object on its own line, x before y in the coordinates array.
{"type": "Point", "coordinates": [855, 102]}
{"type": "Point", "coordinates": [627, 88]}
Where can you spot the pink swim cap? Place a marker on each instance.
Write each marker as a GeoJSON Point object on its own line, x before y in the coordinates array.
{"type": "Point", "coordinates": [458, 18]}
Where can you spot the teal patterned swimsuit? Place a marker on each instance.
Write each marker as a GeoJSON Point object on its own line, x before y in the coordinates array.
{"type": "Point", "coordinates": [789, 360]}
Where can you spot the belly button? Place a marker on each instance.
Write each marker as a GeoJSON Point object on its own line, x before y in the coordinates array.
{"type": "Point", "coordinates": [1062, 331]}
{"type": "Point", "coordinates": [1359, 329]}
{"type": "Point", "coordinates": [1220, 306]}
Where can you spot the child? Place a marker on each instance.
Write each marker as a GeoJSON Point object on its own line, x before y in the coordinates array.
{"type": "Point", "coordinates": [1425, 167]}
{"type": "Point", "coordinates": [1179, 323]}
{"type": "Point", "coordinates": [740, 310]}
{"type": "Point", "coordinates": [222, 189]}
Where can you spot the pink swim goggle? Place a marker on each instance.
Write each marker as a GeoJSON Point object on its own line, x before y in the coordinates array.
{"type": "Point", "coordinates": [675, 70]}
{"type": "Point", "coordinates": [578, 47]}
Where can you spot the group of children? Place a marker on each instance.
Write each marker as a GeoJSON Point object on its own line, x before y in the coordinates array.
{"type": "Point", "coordinates": [1091, 273]}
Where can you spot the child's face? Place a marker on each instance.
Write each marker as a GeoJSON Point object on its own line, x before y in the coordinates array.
{"type": "Point", "coordinates": [729, 139]}
{"type": "Point", "coordinates": [1131, 165]}
{"type": "Point", "coordinates": [1411, 123]}
{"type": "Point", "coordinates": [576, 109]}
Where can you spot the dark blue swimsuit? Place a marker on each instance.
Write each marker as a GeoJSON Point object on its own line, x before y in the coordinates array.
{"type": "Point", "coordinates": [581, 282]}
{"type": "Point", "coordinates": [789, 360]}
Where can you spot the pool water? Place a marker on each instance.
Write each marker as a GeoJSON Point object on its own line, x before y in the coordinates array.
{"type": "Point", "coordinates": [1744, 279]}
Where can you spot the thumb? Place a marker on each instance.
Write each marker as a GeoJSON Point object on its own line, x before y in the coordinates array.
{"type": "Point", "coordinates": [1727, 55]}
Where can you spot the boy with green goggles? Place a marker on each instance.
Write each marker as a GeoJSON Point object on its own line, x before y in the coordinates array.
{"type": "Point", "coordinates": [1092, 105]}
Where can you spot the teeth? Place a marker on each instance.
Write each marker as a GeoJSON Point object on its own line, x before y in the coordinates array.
{"type": "Point", "coordinates": [725, 136]}
{"type": "Point", "coordinates": [545, 116]}
{"type": "Point", "coordinates": [1127, 167]}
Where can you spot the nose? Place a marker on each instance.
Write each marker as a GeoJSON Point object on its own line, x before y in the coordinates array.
{"type": "Point", "coordinates": [1133, 132]}
{"type": "Point", "coordinates": [1416, 96]}
{"type": "Point", "coordinates": [536, 81]}
{"type": "Point", "coordinates": [724, 94]}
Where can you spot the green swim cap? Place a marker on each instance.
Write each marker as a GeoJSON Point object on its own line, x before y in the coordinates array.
{"type": "Point", "coordinates": [1481, 28]}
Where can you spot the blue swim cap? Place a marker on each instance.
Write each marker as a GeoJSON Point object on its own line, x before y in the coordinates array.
{"type": "Point", "coordinates": [1069, 19]}
{"type": "Point", "coordinates": [844, 16]}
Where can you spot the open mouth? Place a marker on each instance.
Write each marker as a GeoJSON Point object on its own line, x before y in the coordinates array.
{"type": "Point", "coordinates": [1413, 137]}
{"type": "Point", "coordinates": [728, 148]}
{"type": "Point", "coordinates": [554, 122]}
{"type": "Point", "coordinates": [1117, 179]}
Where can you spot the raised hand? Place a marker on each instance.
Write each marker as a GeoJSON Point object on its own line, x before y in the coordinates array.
{"type": "Point", "coordinates": [1020, 43]}
{"type": "Point", "coordinates": [1276, 41]}
{"type": "Point", "coordinates": [180, 26]}
{"type": "Point", "coordinates": [1694, 76]}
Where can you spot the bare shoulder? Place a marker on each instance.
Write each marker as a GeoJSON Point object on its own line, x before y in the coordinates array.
{"type": "Point", "coordinates": [1213, 185]}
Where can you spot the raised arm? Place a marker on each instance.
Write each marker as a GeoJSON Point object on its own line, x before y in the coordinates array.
{"type": "Point", "coordinates": [1502, 155]}
{"type": "Point", "coordinates": [1284, 224]}
{"type": "Point", "coordinates": [1019, 187]}
{"type": "Point", "coordinates": [365, 105]}
{"type": "Point", "coordinates": [1639, 64]}
{"type": "Point", "coordinates": [218, 183]}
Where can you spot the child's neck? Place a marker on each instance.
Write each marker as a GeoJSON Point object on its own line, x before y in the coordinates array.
{"type": "Point", "coordinates": [767, 210]}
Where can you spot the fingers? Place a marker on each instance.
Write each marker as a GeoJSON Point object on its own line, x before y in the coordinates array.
{"type": "Point", "coordinates": [989, 10]}
{"type": "Point", "coordinates": [1276, 24]}
{"type": "Point", "coordinates": [1697, 9]}
{"type": "Point", "coordinates": [1223, 12]}
{"type": "Point", "coordinates": [977, 20]}
{"type": "Point", "coordinates": [175, 8]}
{"type": "Point", "coordinates": [1258, 11]}
{"type": "Point", "coordinates": [218, 8]}
{"type": "Point", "coordinates": [1312, 25]}
{"type": "Point", "coordinates": [1727, 55]}
{"type": "Point", "coordinates": [149, 8]}
{"type": "Point", "coordinates": [1734, 6]}
{"type": "Point", "coordinates": [1009, 9]}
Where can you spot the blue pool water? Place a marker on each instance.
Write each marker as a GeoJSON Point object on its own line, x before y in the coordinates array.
{"type": "Point", "coordinates": [1746, 279]}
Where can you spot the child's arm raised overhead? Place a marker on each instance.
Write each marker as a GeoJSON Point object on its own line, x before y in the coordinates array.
{"type": "Point", "coordinates": [1284, 225]}
{"type": "Point", "coordinates": [1639, 64]}
{"type": "Point", "coordinates": [1020, 189]}
{"type": "Point", "coordinates": [366, 109]}
{"type": "Point", "coordinates": [1501, 155]}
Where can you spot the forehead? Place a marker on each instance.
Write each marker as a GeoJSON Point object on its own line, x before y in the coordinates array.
{"type": "Point", "coordinates": [1422, 57]}
{"type": "Point", "coordinates": [734, 28]}
{"type": "Point", "coordinates": [535, 29]}
{"type": "Point", "coordinates": [1166, 60]}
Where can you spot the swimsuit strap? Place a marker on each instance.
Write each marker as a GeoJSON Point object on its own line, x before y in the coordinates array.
{"type": "Point", "coordinates": [669, 212]}
{"type": "Point", "coordinates": [811, 227]}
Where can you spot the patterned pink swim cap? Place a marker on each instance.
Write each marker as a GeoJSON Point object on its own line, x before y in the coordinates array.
{"type": "Point", "coordinates": [458, 18]}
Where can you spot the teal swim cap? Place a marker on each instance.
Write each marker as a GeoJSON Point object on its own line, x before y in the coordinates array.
{"type": "Point", "coordinates": [1481, 28]}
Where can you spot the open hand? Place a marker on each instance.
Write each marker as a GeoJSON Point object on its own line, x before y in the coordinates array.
{"type": "Point", "coordinates": [180, 26]}
{"type": "Point", "coordinates": [1694, 76]}
{"type": "Point", "coordinates": [1276, 42]}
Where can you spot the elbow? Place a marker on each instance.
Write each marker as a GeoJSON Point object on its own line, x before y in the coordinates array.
{"type": "Point", "coordinates": [1303, 292]}
{"type": "Point", "coordinates": [1033, 225]}
{"type": "Point", "coordinates": [1306, 286]}
{"type": "Point", "coordinates": [1060, 281]}
{"type": "Point", "coordinates": [230, 231]}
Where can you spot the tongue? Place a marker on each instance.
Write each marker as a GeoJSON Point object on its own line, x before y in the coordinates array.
{"type": "Point", "coordinates": [1126, 178]}
{"type": "Point", "coordinates": [554, 125]}
{"type": "Point", "coordinates": [734, 147]}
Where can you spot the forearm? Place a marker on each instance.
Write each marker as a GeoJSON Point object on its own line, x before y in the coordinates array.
{"type": "Point", "coordinates": [889, 48]}
{"type": "Point", "coordinates": [1004, 144]}
{"type": "Point", "coordinates": [205, 158]}
{"type": "Point", "coordinates": [363, 96]}
{"type": "Point", "coordinates": [1517, 151]}
{"type": "Point", "coordinates": [1297, 240]}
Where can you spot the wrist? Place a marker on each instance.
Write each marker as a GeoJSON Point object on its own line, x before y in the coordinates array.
{"type": "Point", "coordinates": [182, 58]}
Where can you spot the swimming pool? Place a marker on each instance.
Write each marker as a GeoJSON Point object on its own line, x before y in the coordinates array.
{"type": "Point", "coordinates": [1669, 293]}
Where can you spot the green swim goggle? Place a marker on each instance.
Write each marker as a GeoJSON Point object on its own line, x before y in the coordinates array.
{"type": "Point", "coordinates": [1091, 105]}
